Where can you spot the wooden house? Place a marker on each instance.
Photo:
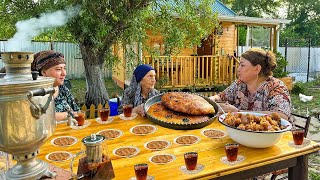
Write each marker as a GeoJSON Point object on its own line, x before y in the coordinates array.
{"type": "Point", "coordinates": [214, 63]}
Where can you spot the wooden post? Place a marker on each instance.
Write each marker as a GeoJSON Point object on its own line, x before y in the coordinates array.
{"type": "Point", "coordinates": [300, 171]}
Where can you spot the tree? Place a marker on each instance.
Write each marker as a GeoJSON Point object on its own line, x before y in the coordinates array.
{"type": "Point", "coordinates": [254, 8]}
{"type": "Point", "coordinates": [305, 20]}
{"type": "Point", "coordinates": [102, 23]}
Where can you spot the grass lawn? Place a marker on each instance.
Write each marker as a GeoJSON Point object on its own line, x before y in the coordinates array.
{"type": "Point", "coordinates": [79, 88]}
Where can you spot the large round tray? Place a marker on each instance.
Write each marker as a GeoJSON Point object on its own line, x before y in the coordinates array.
{"type": "Point", "coordinates": [171, 125]}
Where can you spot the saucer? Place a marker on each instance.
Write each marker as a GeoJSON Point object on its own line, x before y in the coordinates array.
{"type": "Point", "coordinates": [133, 116]}
{"type": "Point", "coordinates": [213, 133]}
{"type": "Point", "coordinates": [187, 140]}
{"type": "Point", "coordinates": [305, 143]}
{"type": "Point", "coordinates": [240, 158]}
{"type": "Point", "coordinates": [110, 119]}
{"type": "Point", "coordinates": [86, 124]}
{"type": "Point", "coordinates": [59, 156]}
{"type": "Point", "coordinates": [143, 129]}
{"type": "Point", "coordinates": [148, 178]}
{"type": "Point", "coordinates": [199, 168]}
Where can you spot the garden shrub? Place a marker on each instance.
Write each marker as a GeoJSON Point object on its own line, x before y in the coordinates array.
{"type": "Point", "coordinates": [298, 87]}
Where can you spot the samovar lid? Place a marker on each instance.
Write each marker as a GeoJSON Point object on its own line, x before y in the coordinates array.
{"type": "Point", "coordinates": [18, 78]}
{"type": "Point", "coordinates": [93, 139]}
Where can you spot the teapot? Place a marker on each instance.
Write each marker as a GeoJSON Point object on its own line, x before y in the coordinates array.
{"type": "Point", "coordinates": [94, 162]}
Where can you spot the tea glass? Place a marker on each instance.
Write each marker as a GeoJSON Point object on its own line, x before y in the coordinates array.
{"type": "Point", "coordinates": [104, 114]}
{"type": "Point", "coordinates": [127, 110]}
{"type": "Point", "coordinates": [141, 171]}
{"type": "Point", "coordinates": [191, 159]}
{"type": "Point", "coordinates": [298, 136]}
{"type": "Point", "coordinates": [80, 116]}
{"type": "Point", "coordinates": [232, 151]}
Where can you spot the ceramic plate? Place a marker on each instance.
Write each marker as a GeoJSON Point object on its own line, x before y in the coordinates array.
{"type": "Point", "coordinates": [110, 119]}
{"type": "Point", "coordinates": [133, 116]}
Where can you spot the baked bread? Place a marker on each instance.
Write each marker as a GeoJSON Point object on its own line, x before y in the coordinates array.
{"type": "Point", "coordinates": [187, 103]}
{"type": "Point", "coordinates": [162, 113]}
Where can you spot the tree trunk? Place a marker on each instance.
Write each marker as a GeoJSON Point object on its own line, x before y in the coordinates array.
{"type": "Point", "coordinates": [96, 90]}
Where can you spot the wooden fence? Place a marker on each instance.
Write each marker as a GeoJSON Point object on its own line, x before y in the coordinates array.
{"type": "Point", "coordinates": [193, 71]}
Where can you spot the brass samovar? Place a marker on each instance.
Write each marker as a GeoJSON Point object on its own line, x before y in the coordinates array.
{"type": "Point", "coordinates": [26, 116]}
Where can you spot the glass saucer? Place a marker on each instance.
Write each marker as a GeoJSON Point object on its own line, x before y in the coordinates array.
{"type": "Point", "coordinates": [110, 119]}
{"type": "Point", "coordinates": [133, 116]}
{"type": "Point", "coordinates": [86, 124]}
{"type": "Point", "coordinates": [199, 168]}
{"type": "Point", "coordinates": [148, 178]}
{"type": "Point", "coordinates": [240, 158]}
{"type": "Point", "coordinates": [305, 143]}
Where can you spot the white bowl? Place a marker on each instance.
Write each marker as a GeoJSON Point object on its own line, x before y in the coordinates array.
{"type": "Point", "coordinates": [255, 139]}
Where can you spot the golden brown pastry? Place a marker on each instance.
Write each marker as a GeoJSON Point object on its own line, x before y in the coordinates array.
{"type": "Point", "coordinates": [162, 113]}
{"type": "Point", "coordinates": [187, 103]}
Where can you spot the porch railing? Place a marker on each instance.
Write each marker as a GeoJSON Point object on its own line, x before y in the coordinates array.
{"type": "Point", "coordinates": [193, 71]}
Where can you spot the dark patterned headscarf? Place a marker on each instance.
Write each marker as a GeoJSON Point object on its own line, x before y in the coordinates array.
{"type": "Point", "coordinates": [44, 60]}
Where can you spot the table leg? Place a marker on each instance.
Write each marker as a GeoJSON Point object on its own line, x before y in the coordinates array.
{"type": "Point", "coordinates": [300, 171]}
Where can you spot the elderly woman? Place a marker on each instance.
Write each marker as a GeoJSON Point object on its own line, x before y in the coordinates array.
{"type": "Point", "coordinates": [256, 89]}
{"type": "Point", "coordinates": [141, 88]}
{"type": "Point", "coordinates": [51, 64]}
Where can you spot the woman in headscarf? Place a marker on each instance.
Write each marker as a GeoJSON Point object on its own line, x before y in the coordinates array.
{"type": "Point", "coordinates": [141, 88]}
{"type": "Point", "coordinates": [51, 64]}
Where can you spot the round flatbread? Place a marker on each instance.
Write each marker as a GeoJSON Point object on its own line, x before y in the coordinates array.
{"type": "Point", "coordinates": [187, 103]}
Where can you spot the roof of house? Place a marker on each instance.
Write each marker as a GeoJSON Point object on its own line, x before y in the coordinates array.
{"type": "Point", "coordinates": [222, 9]}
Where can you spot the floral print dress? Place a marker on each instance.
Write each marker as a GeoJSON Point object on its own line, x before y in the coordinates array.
{"type": "Point", "coordinates": [272, 95]}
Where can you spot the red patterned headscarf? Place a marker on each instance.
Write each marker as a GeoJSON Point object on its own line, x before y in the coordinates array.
{"type": "Point", "coordinates": [44, 60]}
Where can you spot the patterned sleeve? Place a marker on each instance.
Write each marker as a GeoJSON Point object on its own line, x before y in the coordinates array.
{"type": "Point", "coordinates": [229, 94]}
{"type": "Point", "coordinates": [279, 100]}
{"type": "Point", "coordinates": [128, 96]}
{"type": "Point", "coordinates": [70, 99]}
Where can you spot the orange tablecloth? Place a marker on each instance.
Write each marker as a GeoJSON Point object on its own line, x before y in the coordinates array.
{"type": "Point", "coordinates": [210, 150]}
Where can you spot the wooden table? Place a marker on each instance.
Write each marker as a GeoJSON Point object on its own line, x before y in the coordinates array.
{"type": "Point", "coordinates": [258, 161]}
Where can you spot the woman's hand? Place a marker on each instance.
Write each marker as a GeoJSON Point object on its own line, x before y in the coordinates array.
{"type": "Point", "coordinates": [139, 110]}
{"type": "Point", "coordinates": [228, 107]}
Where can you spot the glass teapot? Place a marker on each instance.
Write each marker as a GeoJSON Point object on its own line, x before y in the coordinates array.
{"type": "Point", "coordinates": [94, 161]}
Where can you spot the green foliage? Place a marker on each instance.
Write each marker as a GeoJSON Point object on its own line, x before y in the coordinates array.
{"type": "Point", "coordinates": [255, 8]}
{"type": "Point", "coordinates": [298, 87]}
{"type": "Point", "coordinates": [314, 175]}
{"type": "Point", "coordinates": [305, 20]}
{"type": "Point", "coordinates": [279, 71]}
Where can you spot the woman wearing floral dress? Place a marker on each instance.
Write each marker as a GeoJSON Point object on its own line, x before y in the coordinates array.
{"type": "Point", "coordinates": [256, 89]}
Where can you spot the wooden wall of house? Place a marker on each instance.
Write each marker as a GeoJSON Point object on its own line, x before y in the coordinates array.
{"type": "Point", "coordinates": [156, 41]}
{"type": "Point", "coordinates": [118, 70]}
{"type": "Point", "coordinates": [228, 40]}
